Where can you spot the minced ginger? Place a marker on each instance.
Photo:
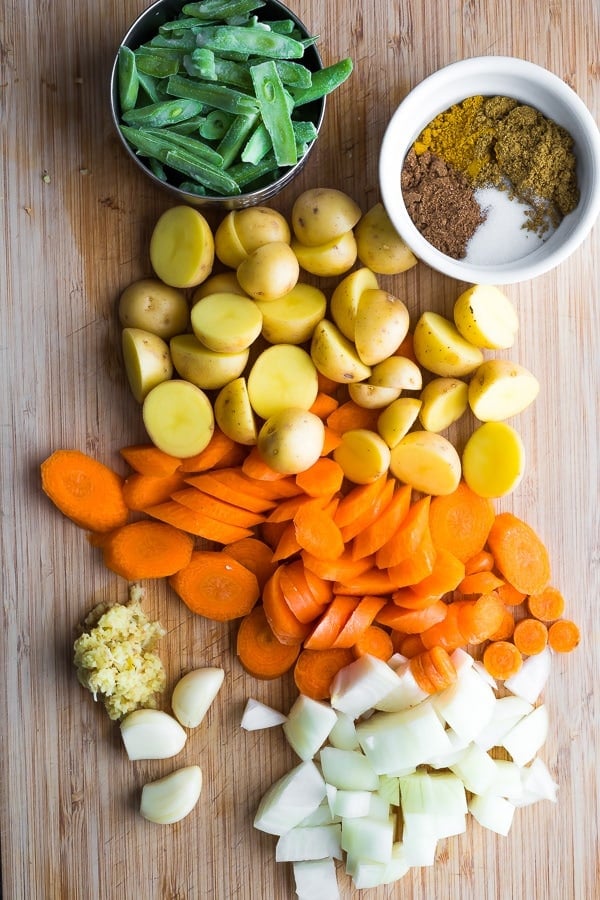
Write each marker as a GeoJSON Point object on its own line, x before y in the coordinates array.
{"type": "Point", "coordinates": [115, 656]}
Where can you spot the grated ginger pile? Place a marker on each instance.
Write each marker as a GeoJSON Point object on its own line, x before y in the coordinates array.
{"type": "Point", "coordinates": [115, 656]}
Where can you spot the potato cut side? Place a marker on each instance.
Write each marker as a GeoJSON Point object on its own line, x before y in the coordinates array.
{"type": "Point", "coordinates": [205, 368]}
{"type": "Point", "coordinates": [182, 247]}
{"type": "Point", "coordinates": [327, 260]}
{"type": "Point", "coordinates": [234, 414]}
{"type": "Point", "coordinates": [147, 361]}
{"type": "Point", "coordinates": [397, 419]}
{"type": "Point", "coordinates": [179, 418]}
{"type": "Point", "coordinates": [380, 326]}
{"type": "Point", "coordinates": [427, 461]}
{"type": "Point", "coordinates": [226, 323]}
{"type": "Point", "coordinates": [443, 401]}
{"type": "Point", "coordinates": [283, 375]}
{"type": "Point", "coordinates": [344, 300]}
{"type": "Point", "coordinates": [363, 455]}
{"type": "Point", "coordinates": [485, 316]}
{"type": "Point", "coordinates": [335, 356]}
{"type": "Point", "coordinates": [500, 389]}
{"type": "Point", "coordinates": [441, 349]}
{"type": "Point", "coordinates": [291, 319]}
{"type": "Point", "coordinates": [228, 246]}
{"type": "Point", "coordinates": [493, 460]}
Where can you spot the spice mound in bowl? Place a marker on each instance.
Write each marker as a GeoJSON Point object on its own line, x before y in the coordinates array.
{"type": "Point", "coordinates": [496, 187]}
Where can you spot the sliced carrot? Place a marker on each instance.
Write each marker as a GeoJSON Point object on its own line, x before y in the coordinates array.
{"type": "Point", "coordinates": [479, 583]}
{"type": "Point", "coordinates": [506, 627]}
{"type": "Point", "coordinates": [460, 522]}
{"type": "Point", "coordinates": [480, 562]}
{"type": "Point", "coordinates": [196, 523]}
{"type": "Point", "coordinates": [409, 645]}
{"type": "Point", "coordinates": [548, 605]}
{"type": "Point", "coordinates": [406, 348]}
{"type": "Point", "coordinates": [140, 491]}
{"type": "Point", "coordinates": [220, 450]}
{"type": "Point", "coordinates": [324, 405]}
{"type": "Point", "coordinates": [421, 677]}
{"type": "Point", "coordinates": [255, 467]}
{"type": "Point", "coordinates": [406, 597]}
{"type": "Point", "coordinates": [479, 619]}
{"type": "Point", "coordinates": [324, 478]}
{"type": "Point", "coordinates": [287, 545]}
{"type": "Point", "coordinates": [259, 651]}
{"type": "Point", "coordinates": [216, 586]}
{"type": "Point", "coordinates": [520, 555]}
{"type": "Point", "coordinates": [360, 619]}
{"type": "Point", "coordinates": [343, 569]}
{"type": "Point", "coordinates": [446, 633]}
{"type": "Point", "coordinates": [350, 415]}
{"type": "Point", "coordinates": [297, 593]}
{"type": "Point", "coordinates": [412, 621]}
{"type": "Point", "coordinates": [415, 568]}
{"type": "Point", "coordinates": [147, 549]}
{"type": "Point", "coordinates": [320, 588]}
{"type": "Point", "coordinates": [317, 532]}
{"type": "Point", "coordinates": [375, 535]}
{"type": "Point", "coordinates": [149, 460]}
{"type": "Point", "coordinates": [408, 537]}
{"type": "Point", "coordinates": [207, 482]}
{"type": "Point", "coordinates": [446, 575]}
{"type": "Point", "coordinates": [287, 509]}
{"type": "Point", "coordinates": [439, 668]}
{"type": "Point", "coordinates": [530, 636]}
{"type": "Point", "coordinates": [331, 440]}
{"type": "Point", "coordinates": [271, 532]}
{"type": "Point", "coordinates": [329, 625]}
{"type": "Point", "coordinates": [502, 659]}
{"type": "Point", "coordinates": [509, 595]}
{"type": "Point", "coordinates": [200, 502]}
{"type": "Point", "coordinates": [315, 670]}
{"type": "Point", "coordinates": [234, 478]}
{"type": "Point", "coordinates": [359, 500]}
{"type": "Point", "coordinates": [373, 581]}
{"type": "Point", "coordinates": [563, 636]}
{"type": "Point", "coordinates": [370, 515]}
{"type": "Point", "coordinates": [286, 627]}
{"type": "Point", "coordinates": [255, 555]}
{"type": "Point", "coordinates": [374, 641]}
{"type": "Point", "coordinates": [89, 493]}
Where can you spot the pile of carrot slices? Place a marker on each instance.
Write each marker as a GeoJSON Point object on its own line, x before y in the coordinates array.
{"type": "Point", "coordinates": [317, 571]}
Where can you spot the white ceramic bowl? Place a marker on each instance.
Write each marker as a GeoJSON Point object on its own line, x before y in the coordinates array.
{"type": "Point", "coordinates": [493, 76]}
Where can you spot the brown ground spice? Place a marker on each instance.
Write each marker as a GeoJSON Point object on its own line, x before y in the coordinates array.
{"type": "Point", "coordinates": [441, 203]}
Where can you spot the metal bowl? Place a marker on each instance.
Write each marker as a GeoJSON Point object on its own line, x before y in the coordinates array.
{"type": "Point", "coordinates": [146, 27]}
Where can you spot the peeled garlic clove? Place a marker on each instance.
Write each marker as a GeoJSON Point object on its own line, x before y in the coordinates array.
{"type": "Point", "coordinates": [151, 734]}
{"type": "Point", "coordinates": [194, 693]}
{"type": "Point", "coordinates": [173, 797]}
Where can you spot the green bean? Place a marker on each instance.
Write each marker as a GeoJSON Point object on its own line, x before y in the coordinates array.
{"type": "Point", "coordinates": [189, 126]}
{"type": "Point", "coordinates": [146, 144]}
{"type": "Point", "coordinates": [216, 124]}
{"type": "Point", "coordinates": [257, 146]}
{"type": "Point", "coordinates": [204, 64]}
{"type": "Point", "coordinates": [180, 24]}
{"type": "Point", "coordinates": [232, 73]}
{"type": "Point", "coordinates": [127, 78]}
{"type": "Point", "coordinates": [221, 9]}
{"type": "Point", "coordinates": [193, 187]}
{"type": "Point", "coordinates": [158, 65]}
{"type": "Point", "coordinates": [214, 179]}
{"type": "Point", "coordinates": [275, 112]}
{"type": "Point", "coordinates": [166, 112]}
{"type": "Point", "coordinates": [150, 86]}
{"type": "Point", "coordinates": [323, 82]}
{"type": "Point", "coordinates": [292, 74]}
{"type": "Point", "coordinates": [157, 168]}
{"type": "Point", "coordinates": [217, 95]}
{"type": "Point", "coordinates": [186, 41]}
{"type": "Point", "coordinates": [253, 41]}
{"type": "Point", "coordinates": [282, 26]}
{"type": "Point", "coordinates": [189, 144]}
{"type": "Point", "coordinates": [247, 173]}
{"type": "Point", "coordinates": [235, 137]}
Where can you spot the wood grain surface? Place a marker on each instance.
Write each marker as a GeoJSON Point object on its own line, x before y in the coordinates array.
{"type": "Point", "coordinates": [75, 220]}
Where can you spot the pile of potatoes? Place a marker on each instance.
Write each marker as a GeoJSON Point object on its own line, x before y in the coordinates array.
{"type": "Point", "coordinates": [248, 348]}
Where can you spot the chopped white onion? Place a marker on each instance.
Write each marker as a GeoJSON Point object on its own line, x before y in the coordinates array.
{"type": "Point", "coordinates": [507, 712]}
{"type": "Point", "coordinates": [343, 734]}
{"type": "Point", "coordinates": [492, 812]}
{"type": "Point", "coordinates": [406, 693]}
{"type": "Point", "coordinates": [530, 680]}
{"type": "Point", "coordinates": [396, 742]}
{"type": "Point", "coordinates": [316, 880]}
{"type": "Point", "coordinates": [315, 842]}
{"type": "Point", "coordinates": [537, 783]}
{"type": "Point", "coordinates": [348, 770]}
{"type": "Point", "coordinates": [529, 734]}
{"type": "Point", "coordinates": [360, 685]}
{"type": "Point", "coordinates": [290, 799]}
{"type": "Point", "coordinates": [258, 715]}
{"type": "Point", "coordinates": [308, 725]}
{"type": "Point", "coordinates": [368, 838]}
{"type": "Point", "coordinates": [475, 769]}
{"type": "Point", "coordinates": [467, 705]}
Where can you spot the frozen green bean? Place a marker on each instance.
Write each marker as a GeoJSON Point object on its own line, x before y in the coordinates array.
{"type": "Point", "coordinates": [253, 41]}
{"type": "Point", "coordinates": [128, 80]}
{"type": "Point", "coordinates": [189, 144]}
{"type": "Point", "coordinates": [275, 111]}
{"type": "Point", "coordinates": [221, 9]}
{"type": "Point", "coordinates": [235, 137]}
{"type": "Point", "coordinates": [214, 179]}
{"type": "Point", "coordinates": [217, 95]}
{"type": "Point", "coordinates": [166, 112]}
{"type": "Point", "coordinates": [324, 81]}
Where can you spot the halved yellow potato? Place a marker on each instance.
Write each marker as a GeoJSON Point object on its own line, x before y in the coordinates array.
{"type": "Point", "coordinates": [228, 246]}
{"type": "Point", "coordinates": [147, 360]}
{"type": "Point", "coordinates": [363, 455]}
{"type": "Point", "coordinates": [485, 316]}
{"type": "Point", "coordinates": [153, 306]}
{"type": "Point", "coordinates": [205, 368]}
{"type": "Point", "coordinates": [222, 282]}
{"type": "Point", "coordinates": [269, 272]}
{"type": "Point", "coordinates": [397, 419]}
{"type": "Point", "coordinates": [493, 460]}
{"type": "Point", "coordinates": [443, 401]}
{"type": "Point", "coordinates": [427, 461]}
{"type": "Point", "coordinates": [500, 389]}
{"type": "Point", "coordinates": [397, 372]}
{"type": "Point", "coordinates": [291, 440]}
{"type": "Point", "coordinates": [379, 245]}
{"type": "Point", "coordinates": [226, 323]}
{"type": "Point", "coordinates": [344, 299]}
{"type": "Point", "coordinates": [372, 396]}
{"type": "Point", "coordinates": [178, 417]}
{"type": "Point", "coordinates": [321, 215]}
{"type": "Point", "coordinates": [335, 356]}
{"type": "Point", "coordinates": [327, 260]}
{"type": "Point", "coordinates": [440, 348]}
{"type": "Point", "coordinates": [282, 376]}
{"type": "Point", "coordinates": [243, 230]}
{"type": "Point", "coordinates": [380, 326]}
{"type": "Point", "coordinates": [234, 414]}
{"type": "Point", "coordinates": [291, 319]}
{"type": "Point", "coordinates": [182, 247]}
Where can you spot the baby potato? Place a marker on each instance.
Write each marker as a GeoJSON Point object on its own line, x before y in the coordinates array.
{"type": "Point", "coordinates": [205, 368]}
{"type": "Point", "coordinates": [427, 461]}
{"type": "Point", "coordinates": [234, 414]}
{"type": "Point", "coordinates": [153, 306]}
{"type": "Point", "coordinates": [221, 283]}
{"type": "Point", "coordinates": [380, 247]}
{"type": "Point", "coordinates": [441, 349]}
{"type": "Point", "coordinates": [380, 326]}
{"type": "Point", "coordinates": [226, 323]}
{"type": "Point", "coordinates": [228, 246]}
{"type": "Point", "coordinates": [291, 319]}
{"type": "Point", "coordinates": [372, 396]}
{"type": "Point", "coordinates": [397, 372]}
{"type": "Point", "coordinates": [493, 460]}
{"type": "Point", "coordinates": [147, 361]}
{"type": "Point", "coordinates": [321, 215]}
{"type": "Point", "coordinates": [243, 230]}
{"type": "Point", "coordinates": [335, 356]}
{"type": "Point", "coordinates": [178, 417]}
{"type": "Point", "coordinates": [500, 389]}
{"type": "Point", "coordinates": [363, 455]}
{"type": "Point", "coordinates": [269, 272]}
{"type": "Point", "coordinates": [344, 299]}
{"type": "Point", "coordinates": [443, 401]}
{"type": "Point", "coordinates": [291, 440]}
{"type": "Point", "coordinates": [486, 317]}
{"type": "Point", "coordinates": [182, 248]}
{"type": "Point", "coordinates": [397, 419]}
{"type": "Point", "coordinates": [327, 260]}
{"type": "Point", "coordinates": [282, 376]}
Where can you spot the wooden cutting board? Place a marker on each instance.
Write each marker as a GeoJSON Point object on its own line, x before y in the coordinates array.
{"type": "Point", "coordinates": [75, 223]}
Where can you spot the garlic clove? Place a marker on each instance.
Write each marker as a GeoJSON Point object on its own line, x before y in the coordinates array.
{"type": "Point", "coordinates": [151, 734]}
{"type": "Point", "coordinates": [173, 797]}
{"type": "Point", "coordinates": [194, 693]}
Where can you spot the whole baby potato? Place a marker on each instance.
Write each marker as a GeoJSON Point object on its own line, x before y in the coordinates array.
{"type": "Point", "coordinates": [320, 215]}
{"type": "Point", "coordinates": [243, 230]}
{"type": "Point", "coordinates": [153, 306]}
{"type": "Point", "coordinates": [380, 247]}
{"type": "Point", "coordinates": [269, 272]}
{"type": "Point", "coordinates": [291, 440]}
